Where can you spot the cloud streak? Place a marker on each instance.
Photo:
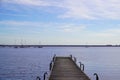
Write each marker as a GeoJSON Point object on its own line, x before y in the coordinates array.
{"type": "Point", "coordinates": [94, 9]}
{"type": "Point", "coordinates": [27, 2]}
{"type": "Point", "coordinates": [61, 27]}
{"type": "Point", "coordinates": [72, 28]}
{"type": "Point", "coordinates": [65, 31]}
{"type": "Point", "coordinates": [76, 9]}
{"type": "Point", "coordinates": [58, 27]}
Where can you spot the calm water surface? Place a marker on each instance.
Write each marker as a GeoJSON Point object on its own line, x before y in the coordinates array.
{"type": "Point", "coordinates": [27, 63]}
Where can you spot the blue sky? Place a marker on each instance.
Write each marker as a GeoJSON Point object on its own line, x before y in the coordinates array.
{"type": "Point", "coordinates": [60, 22]}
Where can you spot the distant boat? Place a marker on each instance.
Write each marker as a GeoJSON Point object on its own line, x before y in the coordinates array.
{"type": "Point", "coordinates": [40, 46]}
{"type": "Point", "coordinates": [15, 46]}
{"type": "Point", "coordinates": [22, 46]}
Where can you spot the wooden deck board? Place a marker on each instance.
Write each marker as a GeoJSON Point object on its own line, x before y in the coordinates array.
{"type": "Point", "coordinates": [65, 69]}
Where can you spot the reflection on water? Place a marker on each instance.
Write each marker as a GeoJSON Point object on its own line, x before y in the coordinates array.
{"type": "Point", "coordinates": [27, 63]}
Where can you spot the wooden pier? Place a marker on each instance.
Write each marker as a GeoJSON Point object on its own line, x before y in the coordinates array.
{"type": "Point", "coordinates": [64, 68]}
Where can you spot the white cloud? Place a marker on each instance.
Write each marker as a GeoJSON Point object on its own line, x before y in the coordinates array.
{"type": "Point", "coordinates": [18, 23]}
{"type": "Point", "coordinates": [66, 31]}
{"type": "Point", "coordinates": [77, 9]}
{"type": "Point", "coordinates": [61, 27]}
{"type": "Point", "coordinates": [72, 28]}
{"type": "Point", "coordinates": [92, 9]}
{"type": "Point", "coordinates": [28, 2]}
{"type": "Point", "coordinates": [22, 15]}
{"type": "Point", "coordinates": [116, 31]}
{"type": "Point", "coordinates": [108, 33]}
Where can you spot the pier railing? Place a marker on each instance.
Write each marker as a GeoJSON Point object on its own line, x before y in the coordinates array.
{"type": "Point", "coordinates": [81, 66]}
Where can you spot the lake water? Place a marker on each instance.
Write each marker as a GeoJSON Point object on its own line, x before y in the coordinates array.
{"type": "Point", "coordinates": [27, 63]}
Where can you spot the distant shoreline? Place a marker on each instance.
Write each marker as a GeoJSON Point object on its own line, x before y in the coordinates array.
{"type": "Point", "coordinates": [60, 45]}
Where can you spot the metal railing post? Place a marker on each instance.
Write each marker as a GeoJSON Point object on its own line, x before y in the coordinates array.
{"type": "Point", "coordinates": [71, 56]}
{"type": "Point", "coordinates": [95, 74]}
{"type": "Point", "coordinates": [54, 57]}
{"type": "Point", "coordinates": [38, 78]}
{"type": "Point", "coordinates": [82, 66]}
{"type": "Point", "coordinates": [44, 75]}
{"type": "Point", "coordinates": [50, 67]}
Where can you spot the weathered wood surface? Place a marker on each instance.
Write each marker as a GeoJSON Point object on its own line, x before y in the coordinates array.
{"type": "Point", "coordinates": [64, 68]}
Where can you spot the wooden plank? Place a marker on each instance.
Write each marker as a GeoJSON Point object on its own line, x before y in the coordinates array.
{"type": "Point", "coordinates": [64, 68]}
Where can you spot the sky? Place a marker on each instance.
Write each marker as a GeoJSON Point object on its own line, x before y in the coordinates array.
{"type": "Point", "coordinates": [58, 22]}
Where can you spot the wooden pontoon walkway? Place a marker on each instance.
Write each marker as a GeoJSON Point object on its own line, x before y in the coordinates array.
{"type": "Point", "coordinates": [65, 68]}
